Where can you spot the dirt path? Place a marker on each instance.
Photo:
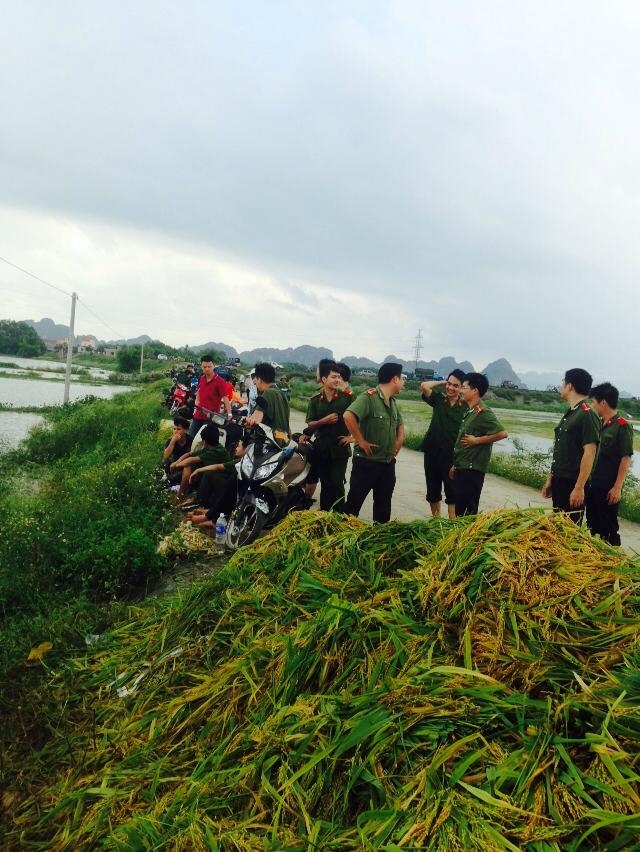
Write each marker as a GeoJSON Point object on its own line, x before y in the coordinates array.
{"type": "Point", "coordinates": [409, 497]}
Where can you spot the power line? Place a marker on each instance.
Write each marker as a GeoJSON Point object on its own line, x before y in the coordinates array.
{"type": "Point", "coordinates": [104, 322]}
{"type": "Point", "coordinates": [37, 277]}
{"type": "Point", "coordinates": [60, 290]}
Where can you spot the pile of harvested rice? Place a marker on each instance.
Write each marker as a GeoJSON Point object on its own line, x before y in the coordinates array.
{"type": "Point", "coordinates": [432, 685]}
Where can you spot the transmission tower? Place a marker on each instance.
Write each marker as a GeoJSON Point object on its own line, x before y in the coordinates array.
{"type": "Point", "coordinates": [418, 348]}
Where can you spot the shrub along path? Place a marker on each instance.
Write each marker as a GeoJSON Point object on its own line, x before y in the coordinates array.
{"type": "Point", "coordinates": [409, 497]}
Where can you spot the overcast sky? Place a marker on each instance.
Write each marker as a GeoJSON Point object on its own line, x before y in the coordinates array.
{"type": "Point", "coordinates": [338, 174]}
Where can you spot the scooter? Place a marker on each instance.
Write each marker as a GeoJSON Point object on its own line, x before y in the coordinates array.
{"type": "Point", "coordinates": [231, 429]}
{"type": "Point", "coordinates": [271, 474]}
{"type": "Point", "coordinates": [180, 399]}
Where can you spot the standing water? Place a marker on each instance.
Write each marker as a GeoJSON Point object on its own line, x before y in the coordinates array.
{"type": "Point", "coordinates": [22, 391]}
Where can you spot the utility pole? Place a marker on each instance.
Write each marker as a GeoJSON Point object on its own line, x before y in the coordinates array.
{"type": "Point", "coordinates": [67, 377]}
{"type": "Point", "coordinates": [141, 356]}
{"type": "Point", "coordinates": [418, 348]}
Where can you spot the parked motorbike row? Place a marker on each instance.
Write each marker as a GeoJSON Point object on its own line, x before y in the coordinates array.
{"type": "Point", "coordinates": [180, 398]}
{"type": "Point", "coordinates": [271, 476]}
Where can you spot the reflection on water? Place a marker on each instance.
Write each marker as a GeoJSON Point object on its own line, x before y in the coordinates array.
{"type": "Point", "coordinates": [14, 427]}
{"type": "Point", "coordinates": [32, 362]}
{"type": "Point", "coordinates": [35, 392]}
{"type": "Point", "coordinates": [19, 393]}
{"type": "Point", "coordinates": [35, 365]}
{"type": "Point", "coordinates": [537, 444]}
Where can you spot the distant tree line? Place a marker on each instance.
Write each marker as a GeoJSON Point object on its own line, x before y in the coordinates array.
{"type": "Point", "coordinates": [18, 338]}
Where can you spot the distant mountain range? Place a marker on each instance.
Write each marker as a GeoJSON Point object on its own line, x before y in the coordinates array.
{"type": "Point", "coordinates": [497, 371]}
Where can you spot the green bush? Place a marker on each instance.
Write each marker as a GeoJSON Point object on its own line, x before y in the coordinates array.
{"type": "Point", "coordinates": [80, 514]}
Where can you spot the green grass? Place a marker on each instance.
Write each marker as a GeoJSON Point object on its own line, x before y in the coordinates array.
{"type": "Point", "coordinates": [81, 511]}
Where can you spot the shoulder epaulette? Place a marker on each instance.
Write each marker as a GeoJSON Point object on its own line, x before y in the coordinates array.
{"type": "Point", "coordinates": [586, 407]}
{"type": "Point", "coordinates": [478, 409]}
{"type": "Point", "coordinates": [371, 391]}
{"type": "Point", "coordinates": [622, 421]}
{"type": "Point", "coordinates": [347, 392]}
{"type": "Point", "coordinates": [316, 395]}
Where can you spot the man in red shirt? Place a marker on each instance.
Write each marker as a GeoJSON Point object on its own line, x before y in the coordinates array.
{"type": "Point", "coordinates": [212, 392]}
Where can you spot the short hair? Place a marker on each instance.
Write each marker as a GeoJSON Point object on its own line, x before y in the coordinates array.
{"type": "Point", "coordinates": [266, 372]}
{"type": "Point", "coordinates": [326, 367]}
{"type": "Point", "coordinates": [324, 361]}
{"type": "Point", "coordinates": [210, 435]}
{"type": "Point", "coordinates": [389, 371]}
{"type": "Point", "coordinates": [579, 378]}
{"type": "Point", "coordinates": [459, 374]}
{"type": "Point", "coordinates": [344, 370]}
{"type": "Point", "coordinates": [477, 381]}
{"type": "Point", "coordinates": [206, 356]}
{"type": "Point", "coordinates": [606, 392]}
{"type": "Point", "coordinates": [182, 422]}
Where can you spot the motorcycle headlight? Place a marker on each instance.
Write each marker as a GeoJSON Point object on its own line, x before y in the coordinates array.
{"type": "Point", "coordinates": [246, 465]}
{"type": "Point", "coordinates": [264, 471]}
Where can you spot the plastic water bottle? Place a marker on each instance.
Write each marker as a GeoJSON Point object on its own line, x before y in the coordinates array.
{"type": "Point", "coordinates": [221, 533]}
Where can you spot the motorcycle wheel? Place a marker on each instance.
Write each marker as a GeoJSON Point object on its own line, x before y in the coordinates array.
{"type": "Point", "coordinates": [245, 525]}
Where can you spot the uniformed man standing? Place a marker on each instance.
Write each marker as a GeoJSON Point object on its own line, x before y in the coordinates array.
{"type": "Point", "coordinates": [575, 446]}
{"type": "Point", "coordinates": [614, 459]}
{"type": "Point", "coordinates": [448, 411]}
{"type": "Point", "coordinates": [375, 424]}
{"type": "Point", "coordinates": [331, 447]}
{"type": "Point", "coordinates": [479, 430]}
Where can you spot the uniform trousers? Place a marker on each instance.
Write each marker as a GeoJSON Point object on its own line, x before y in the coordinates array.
{"type": "Point", "coordinates": [331, 473]}
{"type": "Point", "coordinates": [561, 489]}
{"type": "Point", "coordinates": [467, 489]}
{"type": "Point", "coordinates": [217, 493]}
{"type": "Point", "coordinates": [366, 476]}
{"type": "Point", "coordinates": [602, 518]}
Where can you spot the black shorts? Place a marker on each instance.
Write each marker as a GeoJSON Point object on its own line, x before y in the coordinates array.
{"type": "Point", "coordinates": [436, 474]}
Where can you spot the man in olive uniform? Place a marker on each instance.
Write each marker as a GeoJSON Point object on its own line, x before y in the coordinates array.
{"type": "Point", "coordinates": [479, 430]}
{"type": "Point", "coordinates": [272, 406]}
{"type": "Point", "coordinates": [577, 436]}
{"type": "Point", "coordinates": [614, 459]}
{"type": "Point", "coordinates": [375, 424]}
{"type": "Point", "coordinates": [448, 411]}
{"type": "Point", "coordinates": [331, 447]}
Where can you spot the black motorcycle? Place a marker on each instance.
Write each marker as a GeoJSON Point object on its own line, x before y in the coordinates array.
{"type": "Point", "coordinates": [272, 474]}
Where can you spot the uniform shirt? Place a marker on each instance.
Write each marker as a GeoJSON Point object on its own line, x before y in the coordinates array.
{"type": "Point", "coordinates": [616, 442]}
{"type": "Point", "coordinates": [580, 425]}
{"type": "Point", "coordinates": [275, 407]}
{"type": "Point", "coordinates": [212, 455]}
{"type": "Point", "coordinates": [327, 437]}
{"type": "Point", "coordinates": [445, 424]}
{"type": "Point", "coordinates": [378, 423]}
{"type": "Point", "coordinates": [478, 421]}
{"type": "Point", "coordinates": [210, 395]}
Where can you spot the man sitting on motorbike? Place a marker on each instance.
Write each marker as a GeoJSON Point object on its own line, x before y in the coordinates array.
{"type": "Point", "coordinates": [213, 392]}
{"type": "Point", "coordinates": [272, 406]}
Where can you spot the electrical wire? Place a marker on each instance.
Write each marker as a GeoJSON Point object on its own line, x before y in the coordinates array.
{"type": "Point", "coordinates": [37, 277]}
